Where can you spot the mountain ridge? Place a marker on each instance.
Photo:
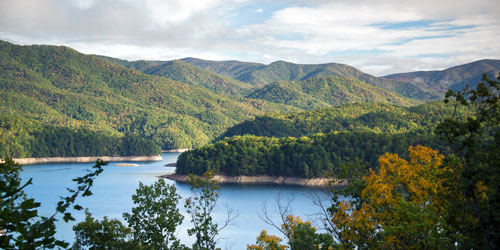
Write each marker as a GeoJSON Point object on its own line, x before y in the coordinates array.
{"type": "Point", "coordinates": [456, 78]}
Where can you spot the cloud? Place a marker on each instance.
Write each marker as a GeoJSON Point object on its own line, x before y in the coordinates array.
{"type": "Point", "coordinates": [378, 36]}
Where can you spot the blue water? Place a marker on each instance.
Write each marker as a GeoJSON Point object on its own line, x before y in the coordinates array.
{"type": "Point", "coordinates": [113, 189]}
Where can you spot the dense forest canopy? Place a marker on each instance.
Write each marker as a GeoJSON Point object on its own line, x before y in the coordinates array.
{"type": "Point", "coordinates": [20, 138]}
{"type": "Point", "coordinates": [60, 87]}
{"type": "Point", "coordinates": [311, 143]}
{"type": "Point", "coordinates": [377, 118]}
{"type": "Point", "coordinates": [306, 157]}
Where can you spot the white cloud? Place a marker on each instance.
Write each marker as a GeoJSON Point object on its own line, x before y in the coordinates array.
{"type": "Point", "coordinates": [314, 31]}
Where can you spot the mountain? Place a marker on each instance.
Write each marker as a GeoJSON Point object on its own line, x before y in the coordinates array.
{"type": "Point", "coordinates": [187, 73]}
{"type": "Point", "coordinates": [234, 69]}
{"type": "Point", "coordinates": [59, 86]}
{"type": "Point", "coordinates": [329, 91]}
{"type": "Point", "coordinates": [259, 74]}
{"type": "Point", "coordinates": [455, 78]}
{"type": "Point", "coordinates": [140, 65]}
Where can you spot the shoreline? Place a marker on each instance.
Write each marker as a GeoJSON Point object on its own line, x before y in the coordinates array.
{"type": "Point", "coordinates": [263, 179]}
{"type": "Point", "coordinates": [179, 150]}
{"type": "Point", "coordinates": [84, 159]}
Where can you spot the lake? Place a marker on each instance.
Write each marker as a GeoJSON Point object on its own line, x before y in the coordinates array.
{"type": "Point", "coordinates": [113, 189]}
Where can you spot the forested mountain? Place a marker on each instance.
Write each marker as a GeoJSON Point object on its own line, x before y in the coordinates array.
{"type": "Point", "coordinates": [330, 91]}
{"type": "Point", "coordinates": [188, 73]}
{"type": "Point", "coordinates": [140, 65]}
{"type": "Point", "coordinates": [64, 88]}
{"type": "Point", "coordinates": [376, 118]}
{"type": "Point", "coordinates": [259, 74]}
{"type": "Point", "coordinates": [234, 69]}
{"type": "Point", "coordinates": [184, 104]}
{"type": "Point", "coordinates": [455, 78]}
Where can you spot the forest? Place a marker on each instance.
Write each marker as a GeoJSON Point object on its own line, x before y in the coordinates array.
{"type": "Point", "coordinates": [34, 139]}
{"type": "Point", "coordinates": [377, 118]}
{"type": "Point", "coordinates": [307, 157]}
{"type": "Point", "coordinates": [312, 143]}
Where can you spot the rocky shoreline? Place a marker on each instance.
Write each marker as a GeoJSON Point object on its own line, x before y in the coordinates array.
{"type": "Point", "coordinates": [179, 150]}
{"type": "Point", "coordinates": [28, 161]}
{"type": "Point", "coordinates": [314, 182]}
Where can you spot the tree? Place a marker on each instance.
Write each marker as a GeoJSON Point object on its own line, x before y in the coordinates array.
{"type": "Point", "coordinates": [406, 205]}
{"type": "Point", "coordinates": [299, 234]}
{"type": "Point", "coordinates": [155, 217]}
{"type": "Point", "coordinates": [106, 234]}
{"type": "Point", "coordinates": [154, 220]}
{"type": "Point", "coordinates": [267, 242]}
{"type": "Point", "coordinates": [200, 207]}
{"type": "Point", "coordinates": [22, 227]}
{"type": "Point", "coordinates": [475, 139]}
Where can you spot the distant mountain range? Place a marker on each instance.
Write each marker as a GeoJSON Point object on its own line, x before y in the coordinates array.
{"type": "Point", "coordinates": [189, 102]}
{"type": "Point", "coordinates": [260, 74]}
{"type": "Point", "coordinates": [327, 91]}
{"type": "Point", "coordinates": [455, 78]}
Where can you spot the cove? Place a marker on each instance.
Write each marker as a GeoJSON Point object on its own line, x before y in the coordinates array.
{"type": "Point", "coordinates": [113, 189]}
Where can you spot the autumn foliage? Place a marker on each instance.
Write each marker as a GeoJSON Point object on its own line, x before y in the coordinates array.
{"type": "Point", "coordinates": [405, 205]}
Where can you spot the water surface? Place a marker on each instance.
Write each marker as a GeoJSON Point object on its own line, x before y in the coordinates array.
{"type": "Point", "coordinates": [113, 189]}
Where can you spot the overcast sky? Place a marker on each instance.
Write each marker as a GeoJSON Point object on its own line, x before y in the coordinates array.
{"type": "Point", "coordinates": [377, 36]}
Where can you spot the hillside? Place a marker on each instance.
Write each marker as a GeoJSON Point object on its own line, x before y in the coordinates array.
{"type": "Point", "coordinates": [260, 74]}
{"type": "Point", "coordinates": [193, 75]}
{"type": "Point", "coordinates": [455, 78]}
{"type": "Point", "coordinates": [64, 88]}
{"type": "Point", "coordinates": [187, 73]}
{"type": "Point", "coordinates": [357, 117]}
{"type": "Point", "coordinates": [330, 91]}
{"type": "Point", "coordinates": [234, 69]}
{"type": "Point", "coordinates": [140, 65]}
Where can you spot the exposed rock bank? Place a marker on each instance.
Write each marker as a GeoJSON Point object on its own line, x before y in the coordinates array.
{"type": "Point", "coordinates": [314, 182]}
{"type": "Point", "coordinates": [27, 161]}
{"type": "Point", "coordinates": [179, 150]}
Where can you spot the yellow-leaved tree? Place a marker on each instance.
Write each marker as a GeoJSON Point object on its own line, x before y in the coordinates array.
{"type": "Point", "coordinates": [300, 235]}
{"type": "Point", "coordinates": [406, 205]}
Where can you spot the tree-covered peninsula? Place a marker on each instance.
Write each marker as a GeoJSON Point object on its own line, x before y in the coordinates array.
{"type": "Point", "coordinates": [306, 157]}
{"type": "Point", "coordinates": [311, 143]}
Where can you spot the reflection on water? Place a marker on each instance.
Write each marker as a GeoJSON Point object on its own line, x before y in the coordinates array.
{"type": "Point", "coordinates": [113, 189]}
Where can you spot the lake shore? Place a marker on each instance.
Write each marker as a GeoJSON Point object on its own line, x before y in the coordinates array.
{"type": "Point", "coordinates": [29, 161]}
{"type": "Point", "coordinates": [179, 150]}
{"type": "Point", "coordinates": [313, 182]}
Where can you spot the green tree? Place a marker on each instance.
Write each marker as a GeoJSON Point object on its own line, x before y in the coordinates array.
{"type": "Point", "coordinates": [106, 234]}
{"type": "Point", "coordinates": [22, 227]}
{"type": "Point", "coordinates": [155, 217]}
{"type": "Point", "coordinates": [200, 207]}
{"type": "Point", "coordinates": [475, 139]}
{"type": "Point", "coordinates": [300, 235]}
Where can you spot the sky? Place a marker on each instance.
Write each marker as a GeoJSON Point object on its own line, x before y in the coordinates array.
{"type": "Point", "coordinates": [379, 37]}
